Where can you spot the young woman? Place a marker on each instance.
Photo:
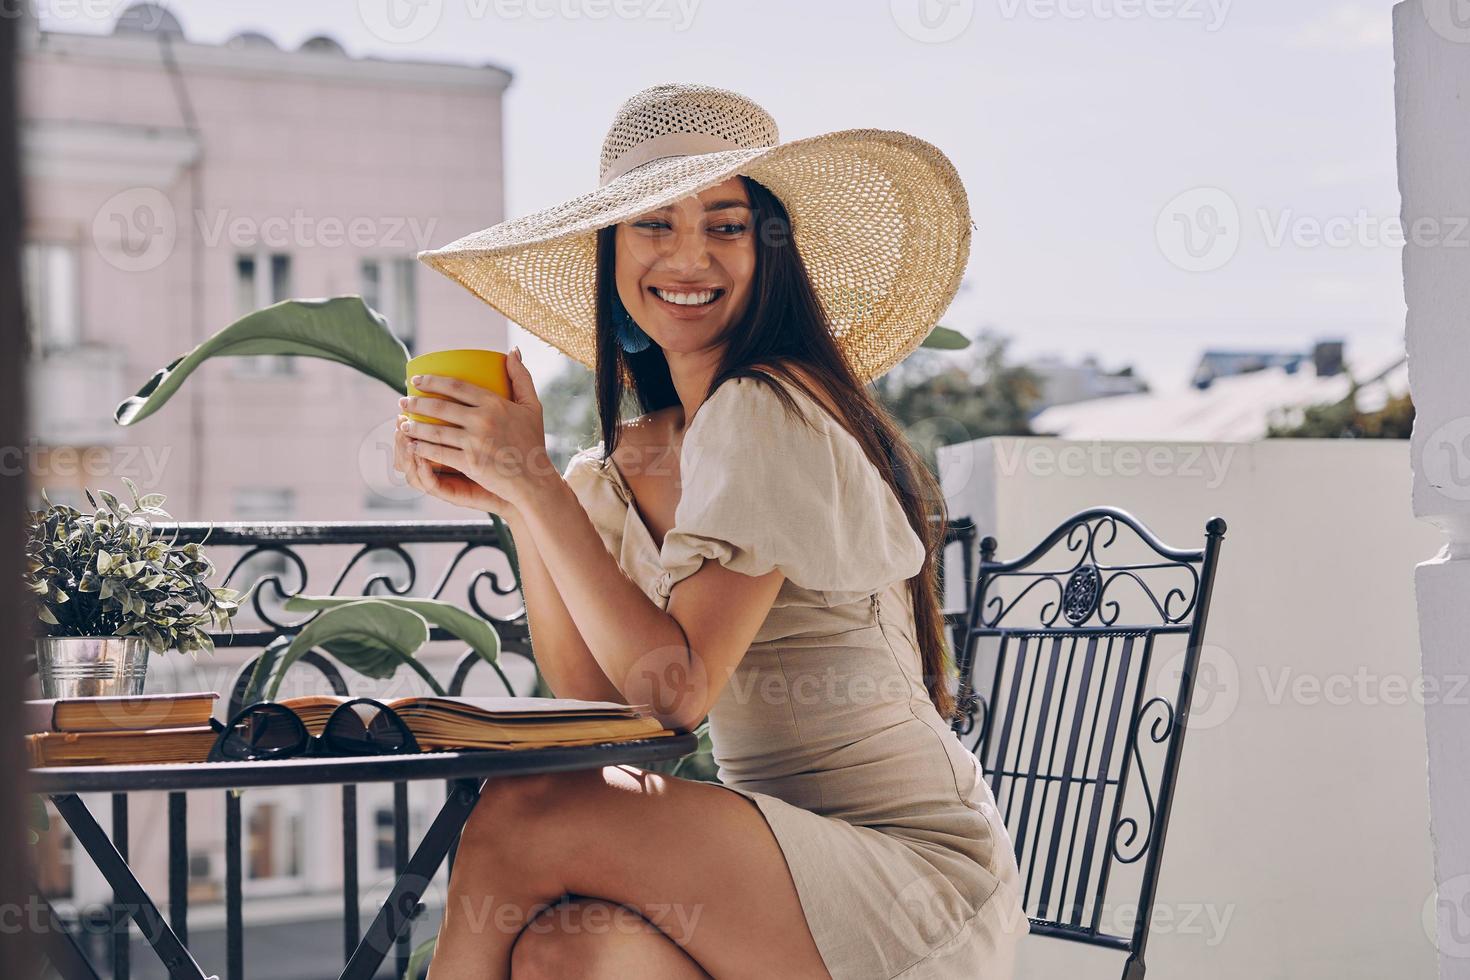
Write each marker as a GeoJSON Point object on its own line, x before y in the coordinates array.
{"type": "Point", "coordinates": [758, 546]}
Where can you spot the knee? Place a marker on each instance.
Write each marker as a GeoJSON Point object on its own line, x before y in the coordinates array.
{"type": "Point", "coordinates": [577, 937]}
{"type": "Point", "coordinates": [510, 810]}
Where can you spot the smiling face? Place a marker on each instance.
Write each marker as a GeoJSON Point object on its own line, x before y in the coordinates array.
{"type": "Point", "coordinates": [684, 272]}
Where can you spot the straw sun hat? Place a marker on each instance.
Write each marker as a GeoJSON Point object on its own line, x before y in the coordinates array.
{"type": "Point", "coordinates": [880, 218]}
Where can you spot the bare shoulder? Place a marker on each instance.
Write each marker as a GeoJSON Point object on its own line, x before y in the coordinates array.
{"type": "Point", "coordinates": [649, 443]}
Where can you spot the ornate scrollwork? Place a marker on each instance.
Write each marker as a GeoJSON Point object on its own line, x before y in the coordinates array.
{"type": "Point", "coordinates": [1087, 590]}
{"type": "Point", "coordinates": [1080, 595]}
{"type": "Point", "coordinates": [272, 587]}
{"type": "Point", "coordinates": [1140, 835]}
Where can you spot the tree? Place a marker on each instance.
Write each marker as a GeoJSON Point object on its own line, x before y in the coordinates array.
{"type": "Point", "coordinates": [570, 411]}
{"type": "Point", "coordinates": [945, 397]}
{"type": "Point", "coordinates": [1342, 420]}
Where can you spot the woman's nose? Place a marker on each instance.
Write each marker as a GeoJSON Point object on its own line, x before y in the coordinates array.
{"type": "Point", "coordinates": [686, 251]}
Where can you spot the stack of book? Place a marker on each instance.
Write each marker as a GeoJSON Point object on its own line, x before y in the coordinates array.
{"type": "Point", "coordinates": [138, 730]}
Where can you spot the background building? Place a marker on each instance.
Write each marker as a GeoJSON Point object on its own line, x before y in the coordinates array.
{"type": "Point", "coordinates": [1247, 393]}
{"type": "Point", "coordinates": [1060, 382]}
{"type": "Point", "coordinates": [175, 186]}
{"type": "Point", "coordinates": [172, 188]}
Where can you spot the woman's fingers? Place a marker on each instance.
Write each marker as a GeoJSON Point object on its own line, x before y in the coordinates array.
{"type": "Point", "coordinates": [430, 481]}
{"type": "Point", "coordinates": [461, 391]}
{"type": "Point", "coordinates": [403, 459]}
{"type": "Point", "coordinates": [435, 453]}
{"type": "Point", "coordinates": [451, 485]}
{"type": "Point", "coordinates": [441, 435]}
{"type": "Point", "coordinates": [437, 408]}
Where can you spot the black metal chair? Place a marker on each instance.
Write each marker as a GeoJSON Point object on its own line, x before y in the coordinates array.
{"type": "Point", "coordinates": [1081, 734]}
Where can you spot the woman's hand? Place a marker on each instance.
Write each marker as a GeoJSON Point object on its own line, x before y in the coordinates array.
{"type": "Point", "coordinates": [497, 444]}
{"type": "Point", "coordinates": [455, 488]}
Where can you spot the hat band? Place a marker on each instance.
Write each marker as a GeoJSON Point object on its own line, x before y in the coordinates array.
{"type": "Point", "coordinates": [666, 145]}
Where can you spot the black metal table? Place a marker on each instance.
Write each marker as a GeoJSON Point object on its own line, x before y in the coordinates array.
{"type": "Point", "coordinates": [464, 771]}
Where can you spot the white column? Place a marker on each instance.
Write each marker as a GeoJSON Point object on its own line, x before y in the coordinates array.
{"type": "Point", "coordinates": [1432, 94]}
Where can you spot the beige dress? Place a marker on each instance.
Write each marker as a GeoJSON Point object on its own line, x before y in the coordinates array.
{"type": "Point", "coordinates": [901, 861]}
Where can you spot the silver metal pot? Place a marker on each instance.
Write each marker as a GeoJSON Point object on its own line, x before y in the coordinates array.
{"type": "Point", "coordinates": [91, 666]}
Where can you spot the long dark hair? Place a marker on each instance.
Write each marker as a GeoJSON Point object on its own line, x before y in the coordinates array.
{"type": "Point", "coordinates": [783, 324]}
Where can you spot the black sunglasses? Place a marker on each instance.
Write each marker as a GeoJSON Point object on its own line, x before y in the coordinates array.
{"type": "Point", "coordinates": [269, 730]}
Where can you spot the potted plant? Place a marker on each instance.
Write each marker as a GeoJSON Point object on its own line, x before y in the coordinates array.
{"type": "Point", "coordinates": [109, 590]}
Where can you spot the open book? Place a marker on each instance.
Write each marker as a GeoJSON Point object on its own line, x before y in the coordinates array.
{"type": "Point", "coordinates": [500, 723]}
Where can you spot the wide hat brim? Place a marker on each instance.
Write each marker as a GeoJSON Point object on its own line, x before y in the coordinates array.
{"type": "Point", "coordinates": [880, 217]}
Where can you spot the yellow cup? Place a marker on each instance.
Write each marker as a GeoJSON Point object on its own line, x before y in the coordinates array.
{"type": "Point", "coordinates": [485, 368]}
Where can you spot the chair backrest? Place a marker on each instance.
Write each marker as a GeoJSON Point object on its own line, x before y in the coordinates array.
{"type": "Point", "coordinates": [1089, 646]}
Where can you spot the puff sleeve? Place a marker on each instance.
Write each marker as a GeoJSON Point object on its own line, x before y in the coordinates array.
{"type": "Point", "coordinates": [762, 490]}
{"type": "Point", "coordinates": [601, 496]}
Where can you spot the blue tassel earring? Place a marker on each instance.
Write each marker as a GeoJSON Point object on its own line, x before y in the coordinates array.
{"type": "Point", "coordinates": [631, 337]}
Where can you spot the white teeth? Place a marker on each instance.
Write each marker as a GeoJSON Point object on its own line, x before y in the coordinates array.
{"type": "Point", "coordinates": [686, 299]}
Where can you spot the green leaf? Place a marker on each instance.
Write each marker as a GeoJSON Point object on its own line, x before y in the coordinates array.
{"type": "Point", "coordinates": [473, 630]}
{"type": "Point", "coordinates": [264, 665]}
{"type": "Point", "coordinates": [507, 541]}
{"type": "Point", "coordinates": [111, 501]}
{"type": "Point", "coordinates": [342, 329]}
{"type": "Point", "coordinates": [420, 957]}
{"type": "Point", "coordinates": [365, 636]}
{"type": "Point", "coordinates": [943, 338]}
{"type": "Point", "coordinates": [104, 561]}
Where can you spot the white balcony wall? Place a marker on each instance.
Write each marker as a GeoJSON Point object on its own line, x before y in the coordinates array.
{"type": "Point", "coordinates": [1299, 842]}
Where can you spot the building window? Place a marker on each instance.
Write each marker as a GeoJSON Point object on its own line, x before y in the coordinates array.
{"type": "Point", "coordinates": [53, 297]}
{"type": "Point", "coordinates": [374, 501]}
{"type": "Point", "coordinates": [383, 837]}
{"type": "Point", "coordinates": [264, 503]}
{"type": "Point", "coordinates": [261, 279]}
{"type": "Point", "coordinates": [388, 287]}
{"type": "Point", "coordinates": [273, 842]}
{"type": "Point", "coordinates": [204, 886]}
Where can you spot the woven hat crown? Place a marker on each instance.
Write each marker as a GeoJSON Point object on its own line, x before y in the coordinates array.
{"type": "Point", "coordinates": [681, 119]}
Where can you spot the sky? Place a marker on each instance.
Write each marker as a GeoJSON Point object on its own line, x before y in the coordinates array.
{"type": "Point", "coordinates": [1148, 178]}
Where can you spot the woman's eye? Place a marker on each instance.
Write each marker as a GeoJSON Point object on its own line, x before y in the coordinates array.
{"type": "Point", "coordinates": [729, 229]}
{"type": "Point", "coordinates": [650, 224]}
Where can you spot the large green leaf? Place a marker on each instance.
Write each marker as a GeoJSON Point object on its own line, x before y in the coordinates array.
{"type": "Point", "coordinates": [370, 636]}
{"type": "Point", "coordinates": [943, 338]}
{"type": "Point", "coordinates": [342, 329]}
{"type": "Point", "coordinates": [264, 665]}
{"type": "Point", "coordinates": [473, 630]}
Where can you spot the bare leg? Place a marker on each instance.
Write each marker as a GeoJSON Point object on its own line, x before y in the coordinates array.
{"type": "Point", "coordinates": [592, 939]}
{"type": "Point", "coordinates": [695, 859]}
